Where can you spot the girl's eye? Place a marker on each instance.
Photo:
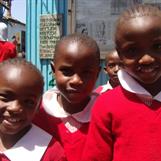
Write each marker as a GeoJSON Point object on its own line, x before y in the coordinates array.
{"type": "Point", "coordinates": [157, 46]}
{"type": "Point", "coordinates": [67, 72]}
{"type": "Point", "coordinates": [130, 52]}
{"type": "Point", "coordinates": [4, 99]}
{"type": "Point", "coordinates": [29, 102]}
{"type": "Point", "coordinates": [112, 65]}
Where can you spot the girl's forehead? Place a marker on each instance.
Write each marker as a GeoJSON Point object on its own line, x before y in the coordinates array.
{"type": "Point", "coordinates": [72, 46]}
{"type": "Point", "coordinates": [17, 71]}
{"type": "Point", "coordinates": [141, 22]}
{"type": "Point", "coordinates": [13, 67]}
{"type": "Point", "coordinates": [140, 26]}
{"type": "Point", "coordinates": [20, 76]}
{"type": "Point", "coordinates": [75, 50]}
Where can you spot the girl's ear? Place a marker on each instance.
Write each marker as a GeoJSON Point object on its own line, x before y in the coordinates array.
{"type": "Point", "coordinates": [52, 66]}
{"type": "Point", "coordinates": [104, 69]}
{"type": "Point", "coordinates": [39, 104]}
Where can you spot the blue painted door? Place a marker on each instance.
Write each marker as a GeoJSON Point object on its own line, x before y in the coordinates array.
{"type": "Point", "coordinates": [36, 8]}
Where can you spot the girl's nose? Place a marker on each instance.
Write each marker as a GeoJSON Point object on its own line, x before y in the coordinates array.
{"type": "Point", "coordinates": [117, 68]}
{"type": "Point", "coordinates": [15, 107]}
{"type": "Point", "coordinates": [76, 79]}
{"type": "Point", "coordinates": [146, 59]}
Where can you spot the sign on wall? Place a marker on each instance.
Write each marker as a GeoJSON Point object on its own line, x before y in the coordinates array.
{"type": "Point", "coordinates": [50, 33]}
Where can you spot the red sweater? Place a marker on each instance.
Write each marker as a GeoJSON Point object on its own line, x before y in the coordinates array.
{"type": "Point", "coordinates": [123, 128]}
{"type": "Point", "coordinates": [73, 143]}
{"type": "Point", "coordinates": [7, 50]}
{"type": "Point", "coordinates": [54, 152]}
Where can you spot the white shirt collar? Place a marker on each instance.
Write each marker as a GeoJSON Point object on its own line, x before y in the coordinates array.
{"type": "Point", "coordinates": [131, 85]}
{"type": "Point", "coordinates": [52, 107]}
{"type": "Point", "coordinates": [31, 146]}
{"type": "Point", "coordinates": [106, 87]}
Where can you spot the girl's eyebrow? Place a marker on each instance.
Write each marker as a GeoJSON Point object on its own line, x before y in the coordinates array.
{"type": "Point", "coordinates": [6, 91]}
{"type": "Point", "coordinates": [126, 44]}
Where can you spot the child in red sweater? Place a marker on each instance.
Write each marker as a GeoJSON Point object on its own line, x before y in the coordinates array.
{"type": "Point", "coordinates": [112, 66]}
{"type": "Point", "coordinates": [7, 49]}
{"type": "Point", "coordinates": [129, 128]}
{"type": "Point", "coordinates": [21, 88]}
{"type": "Point", "coordinates": [66, 109]}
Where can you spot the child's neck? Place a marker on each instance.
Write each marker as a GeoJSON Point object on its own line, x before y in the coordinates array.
{"type": "Point", "coordinates": [7, 141]}
{"type": "Point", "coordinates": [154, 88]}
{"type": "Point", "coordinates": [113, 84]}
{"type": "Point", "coordinates": [72, 108]}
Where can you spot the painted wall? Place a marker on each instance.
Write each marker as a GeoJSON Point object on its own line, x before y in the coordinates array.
{"type": "Point", "coordinates": [36, 8]}
{"type": "Point", "coordinates": [14, 28]}
{"type": "Point", "coordinates": [88, 15]}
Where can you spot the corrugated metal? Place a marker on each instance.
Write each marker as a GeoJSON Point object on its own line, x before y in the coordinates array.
{"type": "Point", "coordinates": [102, 79]}
{"type": "Point", "coordinates": [35, 8]}
{"type": "Point", "coordinates": [1, 11]}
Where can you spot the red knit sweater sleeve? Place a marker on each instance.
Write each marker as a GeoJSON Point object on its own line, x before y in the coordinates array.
{"type": "Point", "coordinates": [99, 139]}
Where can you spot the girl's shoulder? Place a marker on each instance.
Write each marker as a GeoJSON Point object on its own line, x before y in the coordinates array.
{"type": "Point", "coordinates": [112, 100]}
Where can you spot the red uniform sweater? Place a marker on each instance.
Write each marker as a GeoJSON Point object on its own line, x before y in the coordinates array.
{"type": "Point", "coordinates": [123, 128]}
{"type": "Point", "coordinates": [54, 152]}
{"type": "Point", "coordinates": [73, 143]}
{"type": "Point", "coordinates": [7, 50]}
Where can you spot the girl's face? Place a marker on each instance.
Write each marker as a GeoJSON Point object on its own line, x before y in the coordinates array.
{"type": "Point", "coordinates": [19, 98]}
{"type": "Point", "coordinates": [139, 46]}
{"type": "Point", "coordinates": [112, 67]}
{"type": "Point", "coordinates": [76, 70]}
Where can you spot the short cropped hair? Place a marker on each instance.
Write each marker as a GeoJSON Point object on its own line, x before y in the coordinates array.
{"type": "Point", "coordinates": [81, 39]}
{"type": "Point", "coordinates": [139, 11]}
{"type": "Point", "coordinates": [23, 62]}
{"type": "Point", "coordinates": [135, 11]}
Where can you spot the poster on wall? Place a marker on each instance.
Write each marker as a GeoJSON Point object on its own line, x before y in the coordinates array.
{"type": "Point", "coordinates": [98, 18]}
{"type": "Point", "coordinates": [50, 33]}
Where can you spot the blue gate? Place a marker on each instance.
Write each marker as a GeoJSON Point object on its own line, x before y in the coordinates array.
{"type": "Point", "coordinates": [36, 8]}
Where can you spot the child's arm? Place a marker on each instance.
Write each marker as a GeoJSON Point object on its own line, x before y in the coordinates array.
{"type": "Point", "coordinates": [99, 144]}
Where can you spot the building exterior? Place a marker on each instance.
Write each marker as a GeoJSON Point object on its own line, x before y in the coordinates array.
{"type": "Point", "coordinates": [16, 29]}
{"type": "Point", "coordinates": [93, 17]}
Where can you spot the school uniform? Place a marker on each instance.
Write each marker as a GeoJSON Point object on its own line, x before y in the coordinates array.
{"type": "Point", "coordinates": [104, 88]}
{"type": "Point", "coordinates": [125, 124]}
{"type": "Point", "coordinates": [7, 50]}
{"type": "Point", "coordinates": [35, 145]}
{"type": "Point", "coordinates": [69, 129]}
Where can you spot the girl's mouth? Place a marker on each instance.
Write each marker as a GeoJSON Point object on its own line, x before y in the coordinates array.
{"type": "Point", "coordinates": [147, 69]}
{"type": "Point", "coordinates": [13, 120]}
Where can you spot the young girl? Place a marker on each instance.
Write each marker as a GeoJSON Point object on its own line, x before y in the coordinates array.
{"type": "Point", "coordinates": [129, 129]}
{"type": "Point", "coordinates": [112, 66]}
{"type": "Point", "coordinates": [66, 111]}
{"type": "Point", "coordinates": [21, 87]}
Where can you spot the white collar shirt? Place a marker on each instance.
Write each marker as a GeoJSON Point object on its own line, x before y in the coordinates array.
{"type": "Point", "coordinates": [131, 85]}
{"type": "Point", "coordinates": [72, 121]}
{"type": "Point", "coordinates": [30, 147]}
